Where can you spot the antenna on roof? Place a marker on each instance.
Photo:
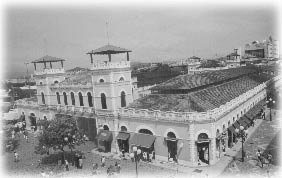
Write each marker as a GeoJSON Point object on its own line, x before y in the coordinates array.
{"type": "Point", "coordinates": [45, 46]}
{"type": "Point", "coordinates": [107, 26]}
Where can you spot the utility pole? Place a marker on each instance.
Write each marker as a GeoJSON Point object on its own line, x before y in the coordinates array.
{"type": "Point", "coordinates": [26, 63]}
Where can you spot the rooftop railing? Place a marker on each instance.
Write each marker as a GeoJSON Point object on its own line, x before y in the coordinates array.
{"type": "Point", "coordinates": [110, 65]}
{"type": "Point", "coordinates": [49, 71]}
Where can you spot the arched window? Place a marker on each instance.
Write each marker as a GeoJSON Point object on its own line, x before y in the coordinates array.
{"type": "Point", "coordinates": [65, 98]}
{"type": "Point", "coordinates": [106, 127]}
{"type": "Point", "coordinates": [101, 80]}
{"type": "Point", "coordinates": [121, 79]}
{"type": "Point", "coordinates": [43, 98]}
{"type": "Point", "coordinates": [123, 100]}
{"type": "Point", "coordinates": [123, 129]}
{"type": "Point", "coordinates": [217, 132]}
{"type": "Point", "coordinates": [72, 99]}
{"type": "Point", "coordinates": [223, 127]}
{"type": "Point", "coordinates": [103, 101]}
{"type": "Point", "coordinates": [233, 119]}
{"type": "Point", "coordinates": [55, 82]}
{"type": "Point", "coordinates": [40, 83]}
{"type": "Point", "coordinates": [89, 96]}
{"type": "Point", "coordinates": [203, 136]}
{"type": "Point", "coordinates": [80, 99]}
{"type": "Point", "coordinates": [58, 97]}
{"type": "Point", "coordinates": [145, 131]}
{"type": "Point", "coordinates": [229, 123]}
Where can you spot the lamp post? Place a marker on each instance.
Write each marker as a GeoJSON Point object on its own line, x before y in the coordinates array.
{"type": "Point", "coordinates": [270, 103]}
{"type": "Point", "coordinates": [243, 134]}
{"type": "Point", "coordinates": [136, 157]}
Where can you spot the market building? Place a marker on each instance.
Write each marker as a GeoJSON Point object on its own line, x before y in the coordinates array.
{"type": "Point", "coordinates": [189, 119]}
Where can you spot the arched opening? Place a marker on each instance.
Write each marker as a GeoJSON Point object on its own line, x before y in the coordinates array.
{"type": "Point", "coordinates": [147, 147]}
{"type": "Point", "coordinates": [123, 129]}
{"type": "Point", "coordinates": [56, 82]}
{"type": "Point", "coordinates": [121, 79]}
{"type": "Point", "coordinates": [233, 119]}
{"type": "Point", "coordinates": [33, 121]}
{"type": "Point", "coordinates": [103, 101]}
{"type": "Point", "coordinates": [72, 98]}
{"type": "Point", "coordinates": [43, 98]}
{"type": "Point", "coordinates": [101, 80]}
{"type": "Point", "coordinates": [58, 97]}
{"type": "Point", "coordinates": [145, 131]}
{"type": "Point", "coordinates": [89, 96]}
{"type": "Point", "coordinates": [40, 83]}
{"type": "Point", "coordinates": [171, 146]}
{"type": "Point", "coordinates": [123, 99]}
{"type": "Point", "coordinates": [80, 99]}
{"type": "Point", "coordinates": [203, 149]}
{"type": "Point", "coordinates": [123, 140]}
{"type": "Point", "coordinates": [105, 127]}
{"type": "Point", "coordinates": [65, 98]}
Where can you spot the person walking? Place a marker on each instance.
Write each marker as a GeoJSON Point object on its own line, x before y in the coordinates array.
{"type": "Point", "coordinates": [80, 162]}
{"type": "Point", "coordinates": [150, 157]}
{"type": "Point", "coordinates": [144, 156]}
{"type": "Point", "coordinates": [16, 156]}
{"type": "Point", "coordinates": [258, 153]}
{"type": "Point", "coordinates": [103, 161]}
{"type": "Point", "coordinates": [67, 165]}
{"type": "Point", "coordinates": [13, 134]}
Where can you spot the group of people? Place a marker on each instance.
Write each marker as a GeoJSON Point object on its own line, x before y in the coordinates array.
{"type": "Point", "coordinates": [110, 170]}
{"type": "Point", "coordinates": [263, 160]}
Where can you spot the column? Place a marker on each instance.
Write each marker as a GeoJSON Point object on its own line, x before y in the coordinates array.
{"type": "Point", "coordinates": [127, 55]}
{"type": "Point", "coordinates": [91, 56]}
{"type": "Point", "coordinates": [109, 57]}
{"type": "Point", "coordinates": [193, 149]}
{"type": "Point", "coordinates": [51, 65]}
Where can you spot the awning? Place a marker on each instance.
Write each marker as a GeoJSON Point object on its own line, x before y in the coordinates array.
{"type": "Point", "coordinates": [245, 119]}
{"type": "Point", "coordinates": [143, 140]}
{"type": "Point", "coordinates": [244, 124]}
{"type": "Point", "coordinates": [123, 136]}
{"type": "Point", "coordinates": [105, 135]}
{"type": "Point", "coordinates": [236, 125]}
{"type": "Point", "coordinates": [232, 129]}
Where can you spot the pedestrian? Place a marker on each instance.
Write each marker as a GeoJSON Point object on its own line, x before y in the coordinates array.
{"type": "Point", "coordinates": [118, 168]}
{"type": "Point", "coordinates": [67, 165]}
{"type": "Point", "coordinates": [123, 151]}
{"type": "Point", "coordinates": [13, 134]}
{"type": "Point", "coordinates": [80, 162]}
{"type": "Point", "coordinates": [269, 158]}
{"type": "Point", "coordinates": [263, 115]}
{"type": "Point", "coordinates": [144, 156]}
{"type": "Point", "coordinates": [168, 156]}
{"type": "Point", "coordinates": [103, 161]}
{"type": "Point", "coordinates": [95, 168]}
{"type": "Point", "coordinates": [16, 156]}
{"type": "Point", "coordinates": [258, 153]}
{"type": "Point", "coordinates": [150, 157]}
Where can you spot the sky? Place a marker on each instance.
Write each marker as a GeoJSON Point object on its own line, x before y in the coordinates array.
{"type": "Point", "coordinates": [153, 33]}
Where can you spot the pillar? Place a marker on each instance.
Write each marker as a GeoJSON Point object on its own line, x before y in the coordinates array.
{"type": "Point", "coordinates": [45, 65]}
{"type": "Point", "coordinates": [34, 65]}
{"type": "Point", "coordinates": [91, 56]}
{"type": "Point", "coordinates": [51, 65]}
{"type": "Point", "coordinates": [127, 55]}
{"type": "Point", "coordinates": [62, 64]}
{"type": "Point", "coordinates": [109, 57]}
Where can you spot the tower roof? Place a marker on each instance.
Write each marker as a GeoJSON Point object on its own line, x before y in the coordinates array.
{"type": "Point", "coordinates": [109, 49]}
{"type": "Point", "coordinates": [47, 59]}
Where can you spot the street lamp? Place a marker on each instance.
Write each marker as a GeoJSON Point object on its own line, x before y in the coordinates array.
{"type": "Point", "coordinates": [270, 103]}
{"type": "Point", "coordinates": [136, 157]}
{"type": "Point", "coordinates": [243, 134]}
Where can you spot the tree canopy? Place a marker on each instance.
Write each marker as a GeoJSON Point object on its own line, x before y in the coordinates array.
{"type": "Point", "coordinates": [59, 133]}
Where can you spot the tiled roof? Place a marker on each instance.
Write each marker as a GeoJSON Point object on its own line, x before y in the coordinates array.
{"type": "Point", "coordinates": [109, 49]}
{"type": "Point", "coordinates": [197, 80]}
{"type": "Point", "coordinates": [47, 59]}
{"type": "Point", "coordinates": [202, 100]}
{"type": "Point", "coordinates": [83, 78]}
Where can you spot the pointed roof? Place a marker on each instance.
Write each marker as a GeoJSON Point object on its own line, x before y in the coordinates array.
{"type": "Point", "coordinates": [47, 59]}
{"type": "Point", "coordinates": [109, 49]}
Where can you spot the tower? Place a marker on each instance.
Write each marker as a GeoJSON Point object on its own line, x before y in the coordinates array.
{"type": "Point", "coordinates": [46, 77]}
{"type": "Point", "coordinates": [111, 80]}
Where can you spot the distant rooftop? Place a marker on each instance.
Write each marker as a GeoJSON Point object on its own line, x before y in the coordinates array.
{"type": "Point", "coordinates": [109, 49]}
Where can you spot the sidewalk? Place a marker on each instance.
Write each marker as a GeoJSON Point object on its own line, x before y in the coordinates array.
{"type": "Point", "coordinates": [216, 169]}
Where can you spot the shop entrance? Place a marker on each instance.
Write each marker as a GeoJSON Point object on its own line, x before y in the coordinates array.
{"type": "Point", "coordinates": [203, 144]}
{"type": "Point", "coordinates": [172, 146]}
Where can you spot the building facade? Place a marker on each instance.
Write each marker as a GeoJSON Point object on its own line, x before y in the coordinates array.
{"type": "Point", "coordinates": [101, 100]}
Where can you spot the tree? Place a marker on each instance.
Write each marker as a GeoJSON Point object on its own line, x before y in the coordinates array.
{"type": "Point", "coordinates": [60, 133]}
